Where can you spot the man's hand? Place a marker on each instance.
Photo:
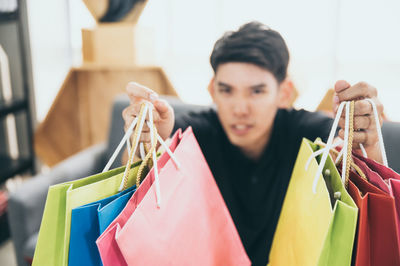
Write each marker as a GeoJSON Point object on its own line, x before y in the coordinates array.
{"type": "Point", "coordinates": [163, 113]}
{"type": "Point", "coordinates": [365, 131]}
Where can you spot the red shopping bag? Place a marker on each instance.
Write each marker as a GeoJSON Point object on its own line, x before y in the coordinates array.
{"type": "Point", "coordinates": [377, 242]}
{"type": "Point", "coordinates": [388, 180]}
{"type": "Point", "coordinates": [191, 227]}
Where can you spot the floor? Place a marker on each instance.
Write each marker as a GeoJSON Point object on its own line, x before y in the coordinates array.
{"type": "Point", "coordinates": [7, 257]}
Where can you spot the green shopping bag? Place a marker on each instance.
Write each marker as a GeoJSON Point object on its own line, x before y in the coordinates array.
{"type": "Point", "coordinates": [314, 229]}
{"type": "Point", "coordinates": [339, 241]}
{"type": "Point", "coordinates": [53, 241]}
{"type": "Point", "coordinates": [318, 221]}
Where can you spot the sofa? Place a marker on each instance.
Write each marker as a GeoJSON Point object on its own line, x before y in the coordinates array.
{"type": "Point", "coordinates": [26, 204]}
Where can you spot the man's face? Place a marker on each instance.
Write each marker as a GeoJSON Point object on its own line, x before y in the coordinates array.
{"type": "Point", "coordinates": [247, 98]}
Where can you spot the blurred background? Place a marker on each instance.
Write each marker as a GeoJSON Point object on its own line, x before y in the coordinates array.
{"type": "Point", "coordinates": [63, 63]}
{"type": "Point", "coordinates": [328, 40]}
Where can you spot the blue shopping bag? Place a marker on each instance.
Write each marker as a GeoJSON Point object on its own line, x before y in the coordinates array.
{"type": "Point", "coordinates": [87, 224]}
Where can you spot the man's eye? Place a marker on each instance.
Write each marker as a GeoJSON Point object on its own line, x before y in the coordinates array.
{"type": "Point", "coordinates": [225, 90]}
{"type": "Point", "coordinates": [258, 91]}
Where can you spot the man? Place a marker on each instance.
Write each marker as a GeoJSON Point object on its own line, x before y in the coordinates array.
{"type": "Point", "coordinates": [250, 143]}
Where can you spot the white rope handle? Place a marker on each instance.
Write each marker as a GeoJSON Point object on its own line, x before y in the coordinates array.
{"type": "Point", "coordinates": [154, 155]}
{"type": "Point", "coordinates": [142, 151]}
{"type": "Point", "coordinates": [128, 133]}
{"type": "Point", "coordinates": [364, 152]}
{"type": "Point", "coordinates": [128, 146]}
{"type": "Point", "coordinates": [343, 152]}
{"type": "Point", "coordinates": [156, 177]}
{"type": "Point", "coordinates": [328, 146]}
{"type": "Point", "coordinates": [319, 152]}
{"type": "Point", "coordinates": [339, 157]}
{"type": "Point", "coordinates": [380, 137]}
{"type": "Point", "coordinates": [148, 109]}
{"type": "Point", "coordinates": [130, 160]}
{"type": "Point", "coordinates": [119, 147]}
{"type": "Point", "coordinates": [379, 131]}
{"type": "Point", "coordinates": [168, 150]}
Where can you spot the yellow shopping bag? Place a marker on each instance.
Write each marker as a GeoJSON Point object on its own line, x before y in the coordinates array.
{"type": "Point", "coordinates": [318, 220]}
{"type": "Point", "coordinates": [314, 228]}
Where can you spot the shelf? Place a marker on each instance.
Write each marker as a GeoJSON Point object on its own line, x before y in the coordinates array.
{"type": "Point", "coordinates": [12, 106]}
{"type": "Point", "coordinates": [11, 167]}
{"type": "Point", "coordinates": [8, 17]}
{"type": "Point", "coordinates": [14, 25]}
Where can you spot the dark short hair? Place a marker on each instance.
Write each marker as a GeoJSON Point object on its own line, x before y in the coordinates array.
{"type": "Point", "coordinates": [253, 43]}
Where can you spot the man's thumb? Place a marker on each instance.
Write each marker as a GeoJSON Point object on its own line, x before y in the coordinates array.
{"type": "Point", "coordinates": [162, 107]}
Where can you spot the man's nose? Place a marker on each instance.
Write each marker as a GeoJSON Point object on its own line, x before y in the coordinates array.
{"type": "Point", "coordinates": [241, 107]}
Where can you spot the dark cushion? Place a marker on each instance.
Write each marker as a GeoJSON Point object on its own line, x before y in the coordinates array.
{"type": "Point", "coordinates": [391, 138]}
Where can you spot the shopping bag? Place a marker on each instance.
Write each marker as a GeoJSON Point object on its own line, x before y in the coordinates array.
{"type": "Point", "coordinates": [88, 222]}
{"type": "Point", "coordinates": [312, 228]}
{"type": "Point", "coordinates": [387, 180]}
{"type": "Point", "coordinates": [53, 241]}
{"type": "Point", "coordinates": [378, 233]}
{"type": "Point", "coordinates": [377, 242]}
{"type": "Point", "coordinates": [108, 248]}
{"type": "Point", "coordinates": [318, 219]}
{"type": "Point", "coordinates": [192, 226]}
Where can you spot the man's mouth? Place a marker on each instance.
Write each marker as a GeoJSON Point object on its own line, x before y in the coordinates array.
{"type": "Point", "coordinates": [241, 129]}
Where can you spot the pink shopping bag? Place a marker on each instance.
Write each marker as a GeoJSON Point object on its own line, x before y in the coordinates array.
{"type": "Point", "coordinates": [108, 247]}
{"type": "Point", "coordinates": [191, 227]}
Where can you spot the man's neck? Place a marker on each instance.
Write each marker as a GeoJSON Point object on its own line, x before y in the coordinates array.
{"type": "Point", "coordinates": [255, 152]}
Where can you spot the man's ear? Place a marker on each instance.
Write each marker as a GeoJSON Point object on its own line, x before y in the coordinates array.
{"type": "Point", "coordinates": [211, 88]}
{"type": "Point", "coordinates": [287, 94]}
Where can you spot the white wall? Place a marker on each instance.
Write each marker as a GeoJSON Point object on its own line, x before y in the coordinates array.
{"type": "Point", "coordinates": [50, 45]}
{"type": "Point", "coordinates": [328, 40]}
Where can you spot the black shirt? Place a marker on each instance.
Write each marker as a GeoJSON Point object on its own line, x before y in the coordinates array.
{"type": "Point", "coordinates": [254, 191]}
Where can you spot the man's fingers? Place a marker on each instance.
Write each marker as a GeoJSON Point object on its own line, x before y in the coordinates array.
{"type": "Point", "coordinates": [137, 91]}
{"type": "Point", "coordinates": [132, 111]}
{"type": "Point", "coordinates": [361, 108]}
{"type": "Point", "coordinates": [364, 108]}
{"type": "Point", "coordinates": [145, 137]}
{"type": "Point", "coordinates": [365, 137]}
{"type": "Point", "coordinates": [363, 123]}
{"type": "Point", "coordinates": [360, 122]}
{"type": "Point", "coordinates": [341, 85]}
{"type": "Point", "coordinates": [161, 105]}
{"type": "Point", "coordinates": [360, 90]}
{"type": "Point", "coordinates": [128, 122]}
{"type": "Point", "coordinates": [128, 114]}
{"type": "Point", "coordinates": [163, 108]}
